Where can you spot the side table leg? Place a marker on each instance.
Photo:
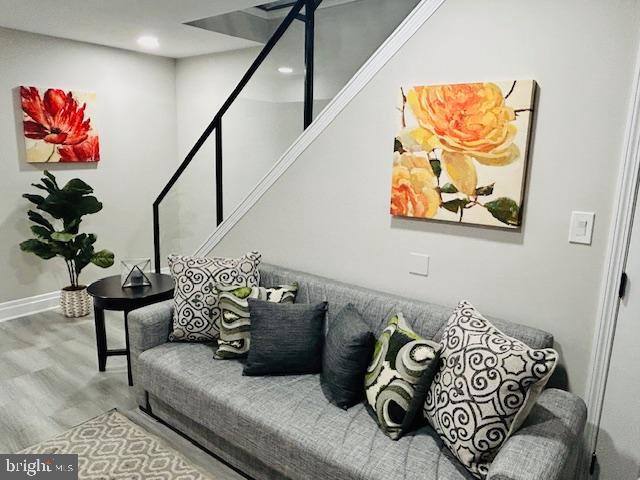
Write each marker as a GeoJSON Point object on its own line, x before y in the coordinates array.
{"type": "Point", "coordinates": [101, 338]}
{"type": "Point", "coordinates": [126, 339]}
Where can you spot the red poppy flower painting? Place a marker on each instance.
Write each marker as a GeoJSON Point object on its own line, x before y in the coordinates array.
{"type": "Point", "coordinates": [58, 126]}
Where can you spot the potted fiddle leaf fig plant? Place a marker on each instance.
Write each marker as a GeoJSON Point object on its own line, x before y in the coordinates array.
{"type": "Point", "coordinates": [59, 236]}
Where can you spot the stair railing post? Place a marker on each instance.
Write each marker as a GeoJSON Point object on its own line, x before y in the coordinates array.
{"type": "Point", "coordinates": [156, 237]}
{"type": "Point", "coordinates": [309, 41]}
{"type": "Point", "coordinates": [219, 209]}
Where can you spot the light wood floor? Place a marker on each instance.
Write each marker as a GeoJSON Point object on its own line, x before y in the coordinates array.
{"type": "Point", "coordinates": [49, 382]}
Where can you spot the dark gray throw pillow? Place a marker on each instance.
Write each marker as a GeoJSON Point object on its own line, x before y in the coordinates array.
{"type": "Point", "coordinates": [286, 339]}
{"type": "Point", "coordinates": [347, 350]}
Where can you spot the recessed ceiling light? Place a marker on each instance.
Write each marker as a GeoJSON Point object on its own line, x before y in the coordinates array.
{"type": "Point", "coordinates": [285, 70]}
{"type": "Point", "coordinates": [148, 41]}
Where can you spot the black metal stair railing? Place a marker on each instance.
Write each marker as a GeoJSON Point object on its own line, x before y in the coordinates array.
{"type": "Point", "coordinates": [308, 18]}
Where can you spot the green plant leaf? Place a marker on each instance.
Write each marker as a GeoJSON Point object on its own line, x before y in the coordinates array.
{"type": "Point", "coordinates": [70, 209]}
{"type": "Point", "coordinates": [87, 206]}
{"type": "Point", "coordinates": [103, 258]}
{"type": "Point", "coordinates": [505, 210]}
{"type": "Point", "coordinates": [436, 167]}
{"type": "Point", "coordinates": [49, 185]}
{"type": "Point", "coordinates": [83, 249]}
{"type": "Point", "coordinates": [35, 217]}
{"type": "Point", "coordinates": [484, 191]}
{"type": "Point", "coordinates": [449, 188]}
{"type": "Point", "coordinates": [77, 186]}
{"type": "Point", "coordinates": [62, 236]}
{"type": "Point", "coordinates": [455, 205]}
{"type": "Point", "coordinates": [50, 176]}
{"type": "Point", "coordinates": [397, 146]}
{"type": "Point", "coordinates": [40, 231]}
{"type": "Point", "coordinates": [64, 249]}
{"type": "Point", "coordinates": [71, 225]}
{"type": "Point", "coordinates": [41, 187]}
{"type": "Point", "coordinates": [41, 249]}
{"type": "Point", "coordinates": [53, 208]}
{"type": "Point", "coordinates": [37, 199]}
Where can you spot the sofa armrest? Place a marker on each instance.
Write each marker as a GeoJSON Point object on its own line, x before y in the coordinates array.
{"type": "Point", "coordinates": [148, 327]}
{"type": "Point", "coordinates": [548, 444]}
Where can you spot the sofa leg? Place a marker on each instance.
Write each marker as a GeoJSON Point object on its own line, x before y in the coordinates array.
{"type": "Point", "coordinates": [147, 404]}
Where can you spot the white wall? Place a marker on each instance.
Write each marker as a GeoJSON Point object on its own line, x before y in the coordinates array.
{"type": "Point", "coordinates": [137, 124]}
{"type": "Point", "coordinates": [329, 213]}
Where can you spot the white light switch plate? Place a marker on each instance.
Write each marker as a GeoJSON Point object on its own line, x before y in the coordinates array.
{"type": "Point", "coordinates": [581, 227]}
{"type": "Point", "coordinates": [419, 264]}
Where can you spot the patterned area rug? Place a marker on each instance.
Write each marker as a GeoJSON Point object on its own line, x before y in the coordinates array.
{"type": "Point", "coordinates": [111, 447]}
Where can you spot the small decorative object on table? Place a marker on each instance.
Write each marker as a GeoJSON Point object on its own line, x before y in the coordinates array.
{"type": "Point", "coordinates": [135, 272]}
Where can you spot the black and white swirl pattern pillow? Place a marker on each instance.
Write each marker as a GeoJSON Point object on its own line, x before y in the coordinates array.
{"type": "Point", "coordinates": [485, 388]}
{"type": "Point", "coordinates": [196, 315]}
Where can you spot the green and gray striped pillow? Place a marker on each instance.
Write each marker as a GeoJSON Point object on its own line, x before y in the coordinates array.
{"type": "Point", "coordinates": [235, 323]}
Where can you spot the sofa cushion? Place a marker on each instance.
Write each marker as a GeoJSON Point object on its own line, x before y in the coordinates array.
{"type": "Point", "coordinates": [427, 319]}
{"type": "Point", "coordinates": [196, 314]}
{"type": "Point", "coordinates": [287, 423]}
{"type": "Point", "coordinates": [401, 360]}
{"type": "Point", "coordinates": [287, 338]}
{"type": "Point", "coordinates": [487, 384]}
{"type": "Point", "coordinates": [346, 354]}
{"type": "Point", "coordinates": [235, 321]}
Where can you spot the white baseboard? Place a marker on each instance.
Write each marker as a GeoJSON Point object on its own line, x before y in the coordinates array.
{"type": "Point", "coordinates": [36, 304]}
{"type": "Point", "coordinates": [410, 25]}
{"type": "Point", "coordinates": [29, 305]}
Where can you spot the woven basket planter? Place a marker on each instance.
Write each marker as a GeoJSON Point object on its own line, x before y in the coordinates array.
{"type": "Point", "coordinates": [75, 303]}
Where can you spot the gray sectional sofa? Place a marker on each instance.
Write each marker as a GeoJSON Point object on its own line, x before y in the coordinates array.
{"type": "Point", "coordinates": [284, 428]}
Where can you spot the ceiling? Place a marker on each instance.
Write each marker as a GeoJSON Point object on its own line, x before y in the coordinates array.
{"type": "Point", "coordinates": [118, 23]}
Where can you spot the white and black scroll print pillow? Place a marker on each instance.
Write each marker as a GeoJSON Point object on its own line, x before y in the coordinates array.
{"type": "Point", "coordinates": [196, 314]}
{"type": "Point", "coordinates": [485, 388]}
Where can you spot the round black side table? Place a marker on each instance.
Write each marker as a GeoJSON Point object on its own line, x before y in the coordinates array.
{"type": "Point", "coordinates": [108, 294]}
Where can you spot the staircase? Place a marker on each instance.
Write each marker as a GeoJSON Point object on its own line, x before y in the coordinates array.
{"type": "Point", "coordinates": [321, 45]}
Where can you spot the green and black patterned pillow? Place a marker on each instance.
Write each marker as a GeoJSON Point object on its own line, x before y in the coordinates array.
{"type": "Point", "coordinates": [235, 323]}
{"type": "Point", "coordinates": [398, 377]}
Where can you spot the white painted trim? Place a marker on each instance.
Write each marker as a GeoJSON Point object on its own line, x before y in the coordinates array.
{"type": "Point", "coordinates": [29, 305]}
{"type": "Point", "coordinates": [410, 25]}
{"type": "Point", "coordinates": [617, 249]}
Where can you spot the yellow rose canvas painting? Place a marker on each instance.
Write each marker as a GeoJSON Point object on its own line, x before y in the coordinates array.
{"type": "Point", "coordinates": [461, 152]}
